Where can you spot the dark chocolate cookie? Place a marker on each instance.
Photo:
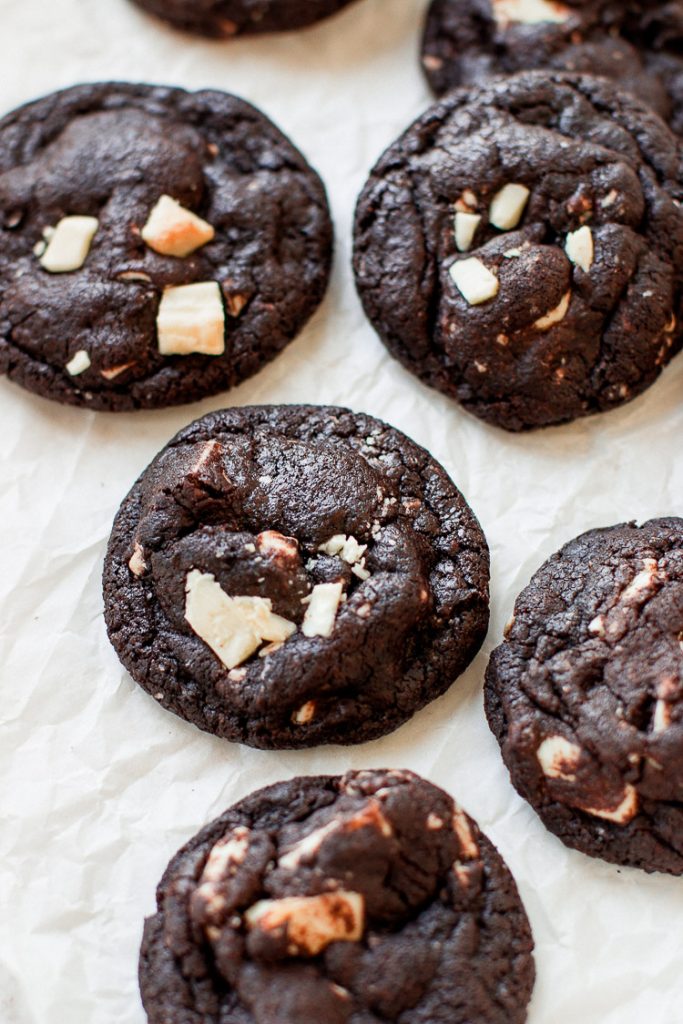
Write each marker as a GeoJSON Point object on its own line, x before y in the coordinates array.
{"type": "Point", "coordinates": [226, 18]}
{"type": "Point", "coordinates": [293, 575]}
{"type": "Point", "coordinates": [586, 694]}
{"type": "Point", "coordinates": [359, 899]}
{"type": "Point", "coordinates": [156, 245]}
{"type": "Point", "coordinates": [520, 248]}
{"type": "Point", "coordinates": [639, 43]}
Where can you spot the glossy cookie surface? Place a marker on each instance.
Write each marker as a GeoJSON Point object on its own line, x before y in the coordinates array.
{"type": "Point", "coordinates": [357, 900]}
{"type": "Point", "coordinates": [157, 245]}
{"type": "Point", "coordinates": [519, 248]}
{"type": "Point", "coordinates": [586, 694]}
{"type": "Point", "coordinates": [293, 575]}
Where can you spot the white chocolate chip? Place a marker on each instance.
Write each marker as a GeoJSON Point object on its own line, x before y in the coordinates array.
{"type": "Point", "coordinates": [643, 583]}
{"type": "Point", "coordinates": [529, 12]}
{"type": "Point", "coordinates": [69, 244]}
{"type": "Point", "coordinates": [461, 827]}
{"type": "Point", "coordinates": [474, 281]}
{"type": "Point", "coordinates": [305, 714]}
{"type": "Point", "coordinates": [558, 758]}
{"type": "Point", "coordinates": [348, 548]}
{"type": "Point", "coordinates": [191, 318]}
{"type": "Point", "coordinates": [321, 613]}
{"type": "Point", "coordinates": [137, 564]}
{"type": "Point", "coordinates": [227, 853]}
{"type": "Point", "coordinates": [597, 626]}
{"type": "Point", "coordinates": [360, 571]}
{"type": "Point", "coordinates": [78, 364]}
{"type": "Point", "coordinates": [467, 201]}
{"type": "Point", "coordinates": [624, 812]}
{"type": "Point", "coordinates": [233, 627]}
{"type": "Point", "coordinates": [174, 231]}
{"type": "Point", "coordinates": [466, 225]}
{"type": "Point", "coordinates": [580, 248]}
{"type": "Point", "coordinates": [311, 923]}
{"type": "Point", "coordinates": [556, 315]}
{"type": "Point", "coordinates": [507, 206]}
{"type": "Point", "coordinates": [277, 544]}
{"type": "Point", "coordinates": [434, 822]}
{"type": "Point", "coordinates": [115, 371]}
{"type": "Point", "coordinates": [662, 716]}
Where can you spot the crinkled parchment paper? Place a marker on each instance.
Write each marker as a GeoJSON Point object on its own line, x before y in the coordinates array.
{"type": "Point", "coordinates": [99, 785]}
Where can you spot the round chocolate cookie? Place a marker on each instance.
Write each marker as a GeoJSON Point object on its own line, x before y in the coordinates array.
{"type": "Point", "coordinates": [520, 248]}
{"type": "Point", "coordinates": [226, 18]}
{"type": "Point", "coordinates": [585, 696]}
{"type": "Point", "coordinates": [359, 899]}
{"type": "Point", "coordinates": [294, 575]}
{"type": "Point", "coordinates": [157, 245]}
{"type": "Point", "coordinates": [636, 42]}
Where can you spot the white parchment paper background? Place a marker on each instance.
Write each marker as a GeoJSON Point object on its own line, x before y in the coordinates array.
{"type": "Point", "coordinates": [98, 785]}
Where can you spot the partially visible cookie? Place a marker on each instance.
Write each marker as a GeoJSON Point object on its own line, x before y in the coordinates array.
{"type": "Point", "coordinates": [227, 18]}
{"type": "Point", "coordinates": [156, 246]}
{"type": "Point", "coordinates": [585, 696]}
{"type": "Point", "coordinates": [338, 900]}
{"type": "Point", "coordinates": [635, 42]}
{"type": "Point", "coordinates": [286, 576]}
{"type": "Point", "coordinates": [520, 248]}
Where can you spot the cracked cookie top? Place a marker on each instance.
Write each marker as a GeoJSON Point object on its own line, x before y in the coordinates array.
{"type": "Point", "coordinates": [520, 248]}
{"type": "Point", "coordinates": [157, 245]}
{"type": "Point", "coordinates": [586, 694]}
{"type": "Point", "coordinates": [288, 576]}
{"type": "Point", "coordinates": [227, 18]}
{"type": "Point", "coordinates": [635, 42]}
{"type": "Point", "coordinates": [364, 899]}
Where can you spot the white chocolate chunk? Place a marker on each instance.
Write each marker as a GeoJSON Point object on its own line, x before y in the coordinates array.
{"type": "Point", "coordinates": [466, 225]}
{"type": "Point", "coordinates": [137, 564]}
{"type": "Point", "coordinates": [234, 628]}
{"type": "Point", "coordinates": [434, 822]}
{"type": "Point", "coordinates": [461, 827]}
{"type": "Point", "coordinates": [348, 548]}
{"type": "Point", "coordinates": [191, 318]}
{"type": "Point", "coordinates": [474, 281]}
{"type": "Point", "coordinates": [174, 231]}
{"type": "Point", "coordinates": [529, 12]}
{"type": "Point", "coordinates": [360, 571]}
{"type": "Point", "coordinates": [597, 626]}
{"type": "Point", "coordinates": [643, 584]}
{"type": "Point", "coordinates": [556, 315]}
{"type": "Point", "coordinates": [276, 544]}
{"type": "Point", "coordinates": [322, 609]}
{"type": "Point", "coordinates": [507, 206]}
{"type": "Point", "coordinates": [662, 716]}
{"type": "Point", "coordinates": [580, 248]}
{"type": "Point", "coordinates": [622, 813]}
{"type": "Point", "coordinates": [305, 714]}
{"type": "Point", "coordinates": [79, 363]}
{"type": "Point", "coordinates": [69, 244]}
{"type": "Point", "coordinates": [115, 371]}
{"type": "Point", "coordinates": [311, 923]}
{"type": "Point", "coordinates": [558, 758]}
{"type": "Point", "coordinates": [226, 854]}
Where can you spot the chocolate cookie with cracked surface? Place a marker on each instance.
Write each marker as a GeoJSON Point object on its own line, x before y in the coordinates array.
{"type": "Point", "coordinates": [341, 900]}
{"type": "Point", "coordinates": [293, 575]}
{"type": "Point", "coordinates": [520, 248]}
{"type": "Point", "coordinates": [227, 18]}
{"type": "Point", "coordinates": [636, 43]}
{"type": "Point", "coordinates": [157, 245]}
{"type": "Point", "coordinates": [586, 694]}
